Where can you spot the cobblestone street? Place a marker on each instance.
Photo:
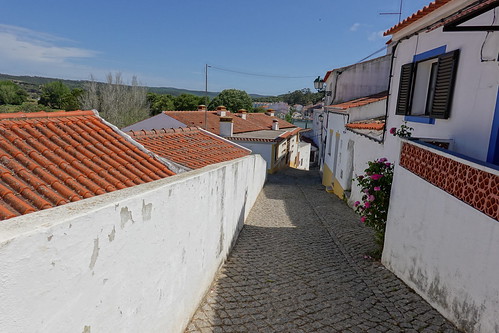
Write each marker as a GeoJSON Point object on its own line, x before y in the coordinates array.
{"type": "Point", "coordinates": [299, 265]}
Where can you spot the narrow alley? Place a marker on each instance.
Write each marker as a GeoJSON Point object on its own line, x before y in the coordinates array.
{"type": "Point", "coordinates": [300, 265]}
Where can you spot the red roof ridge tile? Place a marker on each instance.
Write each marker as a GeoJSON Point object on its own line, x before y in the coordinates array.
{"type": "Point", "coordinates": [161, 131]}
{"type": "Point", "coordinates": [432, 6]}
{"type": "Point", "coordinates": [43, 114]}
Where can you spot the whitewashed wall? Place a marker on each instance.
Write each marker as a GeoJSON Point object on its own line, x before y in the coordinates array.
{"type": "Point", "coordinates": [135, 260]}
{"type": "Point", "coordinates": [358, 80]}
{"type": "Point", "coordinates": [475, 92]}
{"type": "Point", "coordinates": [264, 149]}
{"type": "Point", "coordinates": [445, 250]}
{"type": "Point", "coordinates": [365, 150]}
{"type": "Point", "coordinates": [304, 151]}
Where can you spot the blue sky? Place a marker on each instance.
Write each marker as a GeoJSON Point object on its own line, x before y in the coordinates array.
{"type": "Point", "coordinates": [168, 43]}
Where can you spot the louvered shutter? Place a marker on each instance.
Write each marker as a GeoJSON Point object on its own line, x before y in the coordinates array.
{"type": "Point", "coordinates": [405, 89]}
{"type": "Point", "coordinates": [444, 86]}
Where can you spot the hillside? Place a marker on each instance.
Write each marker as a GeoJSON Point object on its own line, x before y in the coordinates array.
{"type": "Point", "coordinates": [32, 85]}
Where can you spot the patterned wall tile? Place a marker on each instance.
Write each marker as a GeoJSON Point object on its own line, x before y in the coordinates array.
{"type": "Point", "coordinates": [475, 187]}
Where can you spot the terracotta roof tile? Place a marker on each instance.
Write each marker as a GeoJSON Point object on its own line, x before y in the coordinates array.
{"type": "Point", "coordinates": [48, 159]}
{"type": "Point", "coordinates": [361, 101]}
{"type": "Point", "coordinates": [372, 125]}
{"type": "Point", "coordinates": [253, 122]}
{"type": "Point", "coordinates": [190, 146]}
{"type": "Point", "coordinates": [416, 16]}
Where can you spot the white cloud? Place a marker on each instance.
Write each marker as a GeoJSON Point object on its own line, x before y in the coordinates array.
{"type": "Point", "coordinates": [355, 27]}
{"type": "Point", "coordinates": [376, 35]}
{"type": "Point", "coordinates": [24, 45]}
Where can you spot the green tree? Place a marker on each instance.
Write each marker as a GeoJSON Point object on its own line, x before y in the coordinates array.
{"type": "Point", "coordinates": [54, 94]}
{"type": "Point", "coordinates": [160, 102]}
{"type": "Point", "coordinates": [187, 102]}
{"type": "Point", "coordinates": [233, 100]}
{"type": "Point", "coordinates": [259, 109]}
{"type": "Point", "coordinates": [71, 101]}
{"type": "Point", "coordinates": [11, 93]}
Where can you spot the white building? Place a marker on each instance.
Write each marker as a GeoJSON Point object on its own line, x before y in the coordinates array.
{"type": "Point", "coordinates": [442, 235]}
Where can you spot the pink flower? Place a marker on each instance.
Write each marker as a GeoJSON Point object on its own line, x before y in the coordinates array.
{"type": "Point", "coordinates": [366, 191]}
{"type": "Point", "coordinates": [393, 130]}
{"type": "Point", "coordinates": [376, 176]}
{"type": "Point", "coordinates": [371, 197]}
{"type": "Point", "coordinates": [377, 188]}
{"type": "Point", "coordinates": [383, 159]}
{"type": "Point", "coordinates": [363, 219]}
{"type": "Point", "coordinates": [367, 204]}
{"type": "Point", "coordinates": [388, 164]}
{"type": "Point", "coordinates": [356, 203]}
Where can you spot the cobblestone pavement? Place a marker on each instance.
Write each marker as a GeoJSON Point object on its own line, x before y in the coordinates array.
{"type": "Point", "coordinates": [299, 265]}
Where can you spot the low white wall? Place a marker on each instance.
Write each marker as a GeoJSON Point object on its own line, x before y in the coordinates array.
{"type": "Point", "coordinates": [134, 260]}
{"type": "Point", "coordinates": [445, 250]}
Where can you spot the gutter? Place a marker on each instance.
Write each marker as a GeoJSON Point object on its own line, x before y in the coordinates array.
{"type": "Point", "coordinates": [394, 49]}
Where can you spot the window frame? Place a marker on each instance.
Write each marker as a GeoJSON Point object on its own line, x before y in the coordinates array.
{"type": "Point", "coordinates": [445, 77]}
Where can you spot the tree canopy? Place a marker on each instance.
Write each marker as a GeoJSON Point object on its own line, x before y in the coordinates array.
{"type": "Point", "coordinates": [11, 93]}
{"type": "Point", "coordinates": [53, 94]}
{"type": "Point", "coordinates": [233, 100]}
{"type": "Point", "coordinates": [160, 102]}
{"type": "Point", "coordinates": [187, 102]}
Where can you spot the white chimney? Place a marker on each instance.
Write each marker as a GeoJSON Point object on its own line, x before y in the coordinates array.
{"type": "Point", "coordinates": [275, 125]}
{"type": "Point", "coordinates": [243, 113]}
{"type": "Point", "coordinates": [201, 107]}
{"type": "Point", "coordinates": [226, 126]}
{"type": "Point", "coordinates": [270, 112]}
{"type": "Point", "coordinates": [221, 111]}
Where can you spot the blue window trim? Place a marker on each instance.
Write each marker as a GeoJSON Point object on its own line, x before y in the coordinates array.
{"type": "Point", "coordinates": [420, 57]}
{"type": "Point", "coordinates": [430, 53]}
{"type": "Point", "coordinates": [420, 119]}
{"type": "Point", "coordinates": [493, 153]}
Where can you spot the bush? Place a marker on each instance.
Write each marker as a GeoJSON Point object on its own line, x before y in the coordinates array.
{"type": "Point", "coordinates": [376, 185]}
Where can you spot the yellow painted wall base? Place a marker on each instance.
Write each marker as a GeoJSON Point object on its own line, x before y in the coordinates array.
{"type": "Point", "coordinates": [338, 190]}
{"type": "Point", "coordinates": [327, 176]}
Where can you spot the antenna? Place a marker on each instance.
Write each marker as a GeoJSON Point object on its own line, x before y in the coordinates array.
{"type": "Point", "coordinates": [399, 13]}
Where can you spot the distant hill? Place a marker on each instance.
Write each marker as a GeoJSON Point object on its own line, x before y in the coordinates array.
{"type": "Point", "coordinates": [32, 84]}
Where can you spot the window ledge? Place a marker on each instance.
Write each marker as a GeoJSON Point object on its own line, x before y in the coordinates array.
{"type": "Point", "coordinates": [420, 119]}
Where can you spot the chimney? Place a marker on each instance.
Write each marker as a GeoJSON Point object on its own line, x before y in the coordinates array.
{"type": "Point", "coordinates": [201, 107]}
{"type": "Point", "coordinates": [221, 110]}
{"type": "Point", "coordinates": [226, 126]}
{"type": "Point", "coordinates": [243, 113]}
{"type": "Point", "coordinates": [275, 125]}
{"type": "Point", "coordinates": [270, 112]}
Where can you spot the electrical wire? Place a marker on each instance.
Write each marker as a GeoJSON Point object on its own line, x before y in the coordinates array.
{"type": "Point", "coordinates": [485, 40]}
{"type": "Point", "coordinates": [262, 75]}
{"type": "Point", "coordinates": [369, 56]}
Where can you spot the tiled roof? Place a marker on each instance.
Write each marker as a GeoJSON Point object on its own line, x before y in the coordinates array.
{"type": "Point", "coordinates": [50, 159]}
{"type": "Point", "coordinates": [370, 125]}
{"type": "Point", "coordinates": [253, 122]}
{"type": "Point", "coordinates": [469, 10]}
{"type": "Point", "coordinates": [361, 101]}
{"type": "Point", "coordinates": [416, 16]}
{"type": "Point", "coordinates": [189, 146]}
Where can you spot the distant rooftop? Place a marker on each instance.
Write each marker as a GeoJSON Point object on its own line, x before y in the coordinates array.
{"type": "Point", "coordinates": [360, 101]}
{"type": "Point", "coordinates": [48, 159]}
{"type": "Point", "coordinates": [189, 146]}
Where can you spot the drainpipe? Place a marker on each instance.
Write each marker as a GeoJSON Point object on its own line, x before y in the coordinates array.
{"type": "Point", "coordinates": [389, 86]}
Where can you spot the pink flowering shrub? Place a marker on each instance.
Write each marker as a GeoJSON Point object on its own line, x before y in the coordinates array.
{"type": "Point", "coordinates": [404, 131]}
{"type": "Point", "coordinates": [375, 187]}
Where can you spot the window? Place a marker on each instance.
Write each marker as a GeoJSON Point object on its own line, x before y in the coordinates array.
{"type": "Point", "coordinates": [426, 86]}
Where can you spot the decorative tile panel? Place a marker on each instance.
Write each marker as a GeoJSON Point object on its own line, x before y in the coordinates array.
{"type": "Point", "coordinates": [477, 188]}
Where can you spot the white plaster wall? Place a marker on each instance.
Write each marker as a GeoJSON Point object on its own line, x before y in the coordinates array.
{"type": "Point", "coordinates": [445, 250]}
{"type": "Point", "coordinates": [263, 149]}
{"type": "Point", "coordinates": [369, 111]}
{"type": "Point", "coordinates": [365, 150]}
{"type": "Point", "coordinates": [304, 151]}
{"type": "Point", "coordinates": [358, 80]}
{"type": "Point", "coordinates": [475, 92]}
{"type": "Point", "coordinates": [134, 260]}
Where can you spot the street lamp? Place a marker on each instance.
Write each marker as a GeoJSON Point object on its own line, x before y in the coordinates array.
{"type": "Point", "coordinates": [319, 84]}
